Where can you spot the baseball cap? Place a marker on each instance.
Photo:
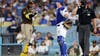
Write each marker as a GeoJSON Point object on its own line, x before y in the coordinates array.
{"type": "Point", "coordinates": [94, 41]}
{"type": "Point", "coordinates": [60, 1]}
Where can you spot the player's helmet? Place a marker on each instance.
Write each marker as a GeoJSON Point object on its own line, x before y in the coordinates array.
{"type": "Point", "coordinates": [61, 2]}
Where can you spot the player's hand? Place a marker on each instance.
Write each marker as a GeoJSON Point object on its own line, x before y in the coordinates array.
{"type": "Point", "coordinates": [95, 30]}
{"type": "Point", "coordinates": [60, 43]}
{"type": "Point", "coordinates": [79, 4]}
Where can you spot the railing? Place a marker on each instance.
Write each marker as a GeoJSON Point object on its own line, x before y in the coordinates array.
{"type": "Point", "coordinates": [0, 46]}
{"type": "Point", "coordinates": [2, 43]}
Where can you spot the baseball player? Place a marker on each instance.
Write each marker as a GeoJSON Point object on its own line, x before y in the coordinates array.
{"type": "Point", "coordinates": [62, 27]}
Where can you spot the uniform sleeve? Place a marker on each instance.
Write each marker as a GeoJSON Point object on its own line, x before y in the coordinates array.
{"type": "Point", "coordinates": [32, 15]}
{"type": "Point", "coordinates": [93, 15]}
{"type": "Point", "coordinates": [63, 12]}
{"type": "Point", "coordinates": [79, 10]}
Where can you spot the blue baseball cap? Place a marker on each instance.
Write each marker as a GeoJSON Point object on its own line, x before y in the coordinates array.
{"type": "Point", "coordinates": [60, 1]}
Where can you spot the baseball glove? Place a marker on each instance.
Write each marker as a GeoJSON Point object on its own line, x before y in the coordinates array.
{"type": "Point", "coordinates": [67, 24]}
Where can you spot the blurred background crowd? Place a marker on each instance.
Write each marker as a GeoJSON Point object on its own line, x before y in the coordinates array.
{"type": "Point", "coordinates": [11, 17]}
{"type": "Point", "coordinates": [11, 10]}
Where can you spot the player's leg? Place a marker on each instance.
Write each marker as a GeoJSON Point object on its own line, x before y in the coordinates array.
{"type": "Point", "coordinates": [29, 30]}
{"type": "Point", "coordinates": [61, 35]}
{"type": "Point", "coordinates": [62, 45]}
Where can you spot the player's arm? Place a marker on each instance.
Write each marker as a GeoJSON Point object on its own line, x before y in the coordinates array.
{"type": "Point", "coordinates": [94, 21]}
{"type": "Point", "coordinates": [76, 10]}
{"type": "Point", "coordinates": [65, 14]}
{"type": "Point", "coordinates": [94, 24]}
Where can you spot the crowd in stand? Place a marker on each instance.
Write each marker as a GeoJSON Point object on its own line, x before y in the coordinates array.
{"type": "Point", "coordinates": [11, 10]}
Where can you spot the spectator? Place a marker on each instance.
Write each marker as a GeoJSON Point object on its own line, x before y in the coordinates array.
{"type": "Point", "coordinates": [94, 49]}
{"type": "Point", "coordinates": [15, 3]}
{"type": "Point", "coordinates": [17, 19]}
{"type": "Point", "coordinates": [8, 9]}
{"type": "Point", "coordinates": [46, 15]}
{"type": "Point", "coordinates": [66, 2]}
{"type": "Point", "coordinates": [43, 21]}
{"type": "Point", "coordinates": [96, 3]}
{"type": "Point", "coordinates": [12, 29]}
{"type": "Point", "coordinates": [36, 21]}
{"type": "Point", "coordinates": [32, 49]}
{"type": "Point", "coordinates": [9, 17]}
{"type": "Point", "coordinates": [98, 25]}
{"type": "Point", "coordinates": [47, 41]}
{"type": "Point", "coordinates": [1, 17]}
{"type": "Point", "coordinates": [20, 37]}
{"type": "Point", "coordinates": [51, 10]}
{"type": "Point", "coordinates": [19, 8]}
{"type": "Point", "coordinates": [38, 37]}
{"type": "Point", "coordinates": [52, 20]}
{"type": "Point", "coordinates": [75, 50]}
{"type": "Point", "coordinates": [49, 35]}
{"type": "Point", "coordinates": [71, 53]}
{"type": "Point", "coordinates": [42, 49]}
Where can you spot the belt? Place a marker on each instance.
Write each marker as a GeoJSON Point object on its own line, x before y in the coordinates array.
{"type": "Point", "coordinates": [26, 23]}
{"type": "Point", "coordinates": [84, 24]}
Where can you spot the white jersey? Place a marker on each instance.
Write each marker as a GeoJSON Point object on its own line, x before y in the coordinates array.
{"type": "Point", "coordinates": [60, 16]}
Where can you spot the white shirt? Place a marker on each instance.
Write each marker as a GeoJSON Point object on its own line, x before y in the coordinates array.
{"type": "Point", "coordinates": [2, 19]}
{"type": "Point", "coordinates": [19, 37]}
{"type": "Point", "coordinates": [47, 42]}
{"type": "Point", "coordinates": [31, 50]}
{"type": "Point", "coordinates": [96, 48]}
{"type": "Point", "coordinates": [42, 49]}
{"type": "Point", "coordinates": [47, 17]}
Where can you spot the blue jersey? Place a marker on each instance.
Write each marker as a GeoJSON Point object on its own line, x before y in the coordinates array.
{"type": "Point", "coordinates": [60, 14]}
